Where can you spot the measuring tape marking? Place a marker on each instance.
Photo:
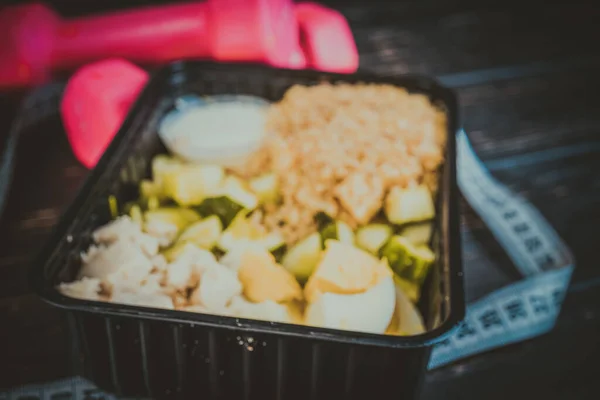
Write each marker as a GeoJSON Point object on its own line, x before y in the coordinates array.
{"type": "Point", "coordinates": [528, 239]}
{"type": "Point", "coordinates": [511, 314]}
{"type": "Point", "coordinates": [526, 308]}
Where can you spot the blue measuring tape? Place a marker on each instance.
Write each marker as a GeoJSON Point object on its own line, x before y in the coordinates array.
{"type": "Point", "coordinates": [516, 312]}
{"type": "Point", "coordinates": [524, 309]}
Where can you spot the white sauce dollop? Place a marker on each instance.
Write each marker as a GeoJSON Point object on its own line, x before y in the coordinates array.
{"type": "Point", "coordinates": [221, 131]}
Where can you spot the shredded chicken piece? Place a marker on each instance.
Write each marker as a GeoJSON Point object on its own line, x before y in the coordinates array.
{"type": "Point", "coordinates": [117, 263]}
{"type": "Point", "coordinates": [159, 262]}
{"type": "Point", "coordinates": [163, 231]}
{"type": "Point", "coordinates": [218, 285]}
{"type": "Point", "coordinates": [124, 229]}
{"type": "Point", "coordinates": [143, 299]}
{"type": "Point", "coordinates": [181, 275]}
{"type": "Point", "coordinates": [180, 300]}
{"type": "Point", "coordinates": [152, 284]}
{"type": "Point", "coordinates": [187, 268]}
{"type": "Point", "coordinates": [85, 288]}
{"type": "Point", "coordinates": [267, 310]}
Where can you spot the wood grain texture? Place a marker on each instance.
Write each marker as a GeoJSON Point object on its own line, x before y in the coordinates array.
{"type": "Point", "coordinates": [539, 135]}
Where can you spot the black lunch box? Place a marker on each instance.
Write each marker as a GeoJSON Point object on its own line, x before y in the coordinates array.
{"type": "Point", "coordinates": [137, 351]}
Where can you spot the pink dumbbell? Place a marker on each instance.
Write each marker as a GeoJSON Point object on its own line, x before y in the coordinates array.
{"type": "Point", "coordinates": [95, 103]}
{"type": "Point", "coordinates": [36, 41]}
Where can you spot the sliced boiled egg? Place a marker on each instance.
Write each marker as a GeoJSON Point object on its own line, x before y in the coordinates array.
{"type": "Point", "coordinates": [370, 311]}
{"type": "Point", "coordinates": [267, 310]}
{"type": "Point", "coordinates": [345, 269]}
{"type": "Point", "coordinates": [407, 320]}
{"type": "Point", "coordinates": [263, 279]}
{"type": "Point", "coordinates": [350, 290]}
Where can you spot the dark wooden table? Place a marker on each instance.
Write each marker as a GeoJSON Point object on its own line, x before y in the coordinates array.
{"type": "Point", "coordinates": [529, 89]}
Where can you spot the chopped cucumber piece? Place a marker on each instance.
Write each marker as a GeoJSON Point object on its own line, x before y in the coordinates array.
{"type": "Point", "coordinates": [204, 233]}
{"type": "Point", "coordinates": [241, 231]}
{"type": "Point", "coordinates": [410, 320]}
{"type": "Point", "coordinates": [418, 233]}
{"type": "Point", "coordinates": [413, 204]}
{"type": "Point", "coordinates": [266, 188]}
{"type": "Point", "coordinates": [412, 290]}
{"type": "Point", "coordinates": [233, 197]}
{"type": "Point", "coordinates": [328, 232]}
{"type": "Point", "coordinates": [174, 251]}
{"type": "Point", "coordinates": [236, 190]}
{"type": "Point", "coordinates": [189, 184]}
{"type": "Point", "coordinates": [222, 207]}
{"type": "Point", "coordinates": [279, 252]}
{"type": "Point", "coordinates": [153, 203]}
{"type": "Point", "coordinates": [135, 212]}
{"type": "Point", "coordinates": [229, 241]}
{"type": "Point", "coordinates": [113, 206]}
{"type": "Point", "coordinates": [127, 207]}
{"type": "Point", "coordinates": [150, 189]}
{"type": "Point", "coordinates": [180, 217]}
{"type": "Point", "coordinates": [344, 232]}
{"type": "Point", "coordinates": [302, 258]}
{"type": "Point", "coordinates": [337, 230]}
{"type": "Point", "coordinates": [373, 236]}
{"type": "Point", "coordinates": [163, 165]}
{"type": "Point", "coordinates": [410, 262]}
{"type": "Point", "coordinates": [151, 194]}
{"type": "Point", "coordinates": [322, 220]}
{"type": "Point", "coordinates": [329, 228]}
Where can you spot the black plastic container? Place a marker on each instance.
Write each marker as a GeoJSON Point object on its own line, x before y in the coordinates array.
{"type": "Point", "coordinates": [162, 353]}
